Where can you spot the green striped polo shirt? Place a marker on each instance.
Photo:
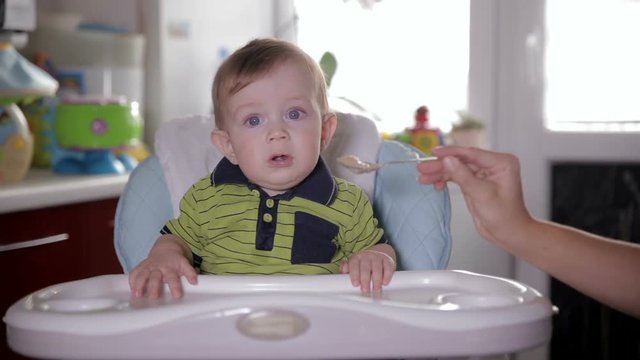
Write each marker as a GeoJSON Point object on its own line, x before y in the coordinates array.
{"type": "Point", "coordinates": [233, 227]}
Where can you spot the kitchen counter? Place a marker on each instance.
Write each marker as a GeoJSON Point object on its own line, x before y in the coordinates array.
{"type": "Point", "coordinates": [56, 229]}
{"type": "Point", "coordinates": [42, 188]}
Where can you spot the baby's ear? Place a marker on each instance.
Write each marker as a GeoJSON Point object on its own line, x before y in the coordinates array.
{"type": "Point", "coordinates": [220, 139]}
{"type": "Point", "coordinates": [329, 124]}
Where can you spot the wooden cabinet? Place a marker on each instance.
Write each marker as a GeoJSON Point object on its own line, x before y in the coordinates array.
{"type": "Point", "coordinates": [52, 245]}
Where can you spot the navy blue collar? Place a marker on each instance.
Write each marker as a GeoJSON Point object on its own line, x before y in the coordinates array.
{"type": "Point", "coordinates": [319, 186]}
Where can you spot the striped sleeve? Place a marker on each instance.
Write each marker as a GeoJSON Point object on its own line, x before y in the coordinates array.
{"type": "Point", "coordinates": [187, 224]}
{"type": "Point", "coordinates": [366, 231]}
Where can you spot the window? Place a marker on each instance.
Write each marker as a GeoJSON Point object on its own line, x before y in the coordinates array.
{"type": "Point", "coordinates": [592, 65]}
{"type": "Point", "coordinates": [393, 56]}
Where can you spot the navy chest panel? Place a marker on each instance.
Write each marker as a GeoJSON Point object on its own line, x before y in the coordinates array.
{"type": "Point", "coordinates": [314, 238]}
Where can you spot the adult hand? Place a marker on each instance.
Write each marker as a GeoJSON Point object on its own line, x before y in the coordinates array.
{"type": "Point", "coordinates": [491, 185]}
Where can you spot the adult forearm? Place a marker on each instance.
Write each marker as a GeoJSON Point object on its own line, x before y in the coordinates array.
{"type": "Point", "coordinates": [604, 269]}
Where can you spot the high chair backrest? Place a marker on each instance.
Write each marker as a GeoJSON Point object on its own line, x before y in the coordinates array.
{"type": "Point", "coordinates": [416, 217]}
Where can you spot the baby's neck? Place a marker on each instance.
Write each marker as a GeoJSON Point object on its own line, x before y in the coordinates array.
{"type": "Point", "coordinates": [273, 193]}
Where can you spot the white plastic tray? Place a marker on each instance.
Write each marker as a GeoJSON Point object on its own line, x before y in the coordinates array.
{"type": "Point", "coordinates": [420, 314]}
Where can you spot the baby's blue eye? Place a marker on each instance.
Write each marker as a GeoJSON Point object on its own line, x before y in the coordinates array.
{"type": "Point", "coordinates": [294, 114]}
{"type": "Point", "coordinates": [253, 121]}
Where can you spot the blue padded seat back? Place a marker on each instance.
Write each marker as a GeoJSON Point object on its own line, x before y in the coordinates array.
{"type": "Point", "coordinates": [415, 217]}
{"type": "Point", "coordinates": [142, 210]}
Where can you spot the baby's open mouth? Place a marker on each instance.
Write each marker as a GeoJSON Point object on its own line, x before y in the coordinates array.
{"type": "Point", "coordinates": [280, 158]}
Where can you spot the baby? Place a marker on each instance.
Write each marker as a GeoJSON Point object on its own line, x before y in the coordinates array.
{"type": "Point", "coordinates": [271, 206]}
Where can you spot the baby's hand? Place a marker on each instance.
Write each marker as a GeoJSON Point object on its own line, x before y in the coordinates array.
{"type": "Point", "coordinates": [162, 267]}
{"type": "Point", "coordinates": [369, 269]}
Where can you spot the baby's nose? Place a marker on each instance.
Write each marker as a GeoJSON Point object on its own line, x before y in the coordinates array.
{"type": "Point", "coordinates": [278, 134]}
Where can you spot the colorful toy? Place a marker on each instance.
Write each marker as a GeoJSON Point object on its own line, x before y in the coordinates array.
{"type": "Point", "coordinates": [20, 82]}
{"type": "Point", "coordinates": [421, 136]}
{"type": "Point", "coordinates": [92, 129]}
{"type": "Point", "coordinates": [16, 144]}
{"type": "Point", "coordinates": [40, 116]}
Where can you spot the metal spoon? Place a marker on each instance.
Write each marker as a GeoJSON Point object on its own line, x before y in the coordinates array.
{"type": "Point", "coordinates": [358, 166]}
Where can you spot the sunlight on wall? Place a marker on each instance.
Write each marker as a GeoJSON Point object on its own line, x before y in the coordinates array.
{"type": "Point", "coordinates": [393, 57]}
{"type": "Point", "coordinates": [593, 65]}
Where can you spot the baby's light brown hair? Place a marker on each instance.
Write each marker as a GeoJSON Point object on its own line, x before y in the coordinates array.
{"type": "Point", "coordinates": [255, 60]}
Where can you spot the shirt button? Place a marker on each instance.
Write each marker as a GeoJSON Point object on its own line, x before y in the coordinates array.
{"type": "Point", "coordinates": [267, 218]}
{"type": "Point", "coordinates": [255, 192]}
{"type": "Point", "coordinates": [270, 203]}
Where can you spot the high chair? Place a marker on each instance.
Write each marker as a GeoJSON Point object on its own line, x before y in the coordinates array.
{"type": "Point", "coordinates": [425, 311]}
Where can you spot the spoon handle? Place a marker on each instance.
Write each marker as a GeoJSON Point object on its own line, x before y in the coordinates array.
{"type": "Point", "coordinates": [428, 158]}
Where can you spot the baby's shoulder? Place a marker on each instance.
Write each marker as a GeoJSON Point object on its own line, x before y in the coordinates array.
{"type": "Point", "coordinates": [204, 188]}
{"type": "Point", "coordinates": [347, 188]}
{"type": "Point", "coordinates": [203, 183]}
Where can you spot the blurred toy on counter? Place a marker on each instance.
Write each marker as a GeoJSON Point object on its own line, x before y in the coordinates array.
{"type": "Point", "coordinates": [93, 126]}
{"type": "Point", "coordinates": [97, 131]}
{"type": "Point", "coordinates": [16, 144]}
{"type": "Point", "coordinates": [21, 82]}
{"type": "Point", "coordinates": [421, 136]}
{"type": "Point", "coordinates": [40, 116]}
{"type": "Point", "coordinates": [77, 133]}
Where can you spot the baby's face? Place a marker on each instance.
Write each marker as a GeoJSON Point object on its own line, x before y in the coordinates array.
{"type": "Point", "coordinates": [274, 128]}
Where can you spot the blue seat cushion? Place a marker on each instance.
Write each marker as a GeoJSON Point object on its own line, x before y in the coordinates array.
{"type": "Point", "coordinates": [416, 217]}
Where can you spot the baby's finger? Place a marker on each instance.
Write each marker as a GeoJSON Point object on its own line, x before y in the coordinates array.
{"type": "Point", "coordinates": [190, 273]}
{"type": "Point", "coordinates": [365, 277]}
{"type": "Point", "coordinates": [137, 280]}
{"type": "Point", "coordinates": [354, 271]}
{"type": "Point", "coordinates": [154, 284]}
{"type": "Point", "coordinates": [389, 268]}
{"type": "Point", "coordinates": [175, 286]}
{"type": "Point", "coordinates": [376, 276]}
{"type": "Point", "coordinates": [344, 267]}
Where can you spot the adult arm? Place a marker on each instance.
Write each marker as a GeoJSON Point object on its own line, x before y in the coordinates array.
{"type": "Point", "coordinates": [605, 269]}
